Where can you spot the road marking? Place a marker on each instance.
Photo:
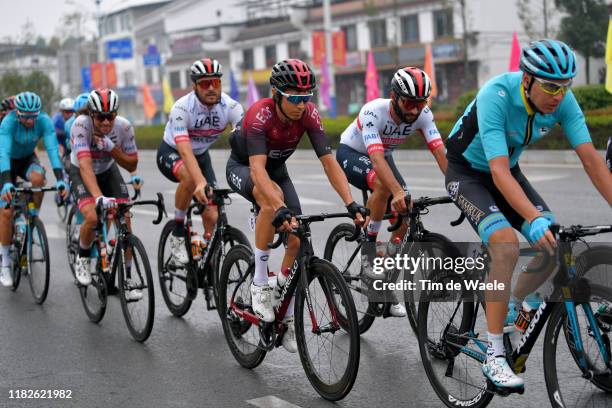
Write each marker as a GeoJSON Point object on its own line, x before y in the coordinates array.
{"type": "Point", "coordinates": [271, 401]}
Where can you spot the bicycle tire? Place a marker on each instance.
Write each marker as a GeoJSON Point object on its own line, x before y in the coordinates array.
{"type": "Point", "coordinates": [557, 323]}
{"type": "Point", "coordinates": [365, 313]}
{"type": "Point", "coordinates": [17, 268]}
{"type": "Point", "coordinates": [239, 258]}
{"type": "Point", "coordinates": [144, 283]}
{"type": "Point", "coordinates": [72, 246]}
{"type": "Point", "coordinates": [62, 211]}
{"type": "Point", "coordinates": [95, 295]}
{"type": "Point", "coordinates": [180, 307]}
{"type": "Point", "coordinates": [332, 283]}
{"type": "Point", "coordinates": [39, 292]}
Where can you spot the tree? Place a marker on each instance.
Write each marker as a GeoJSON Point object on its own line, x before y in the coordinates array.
{"type": "Point", "coordinates": [584, 28]}
{"type": "Point", "coordinates": [28, 33]}
{"type": "Point", "coordinates": [536, 16]}
{"type": "Point", "coordinates": [11, 83]}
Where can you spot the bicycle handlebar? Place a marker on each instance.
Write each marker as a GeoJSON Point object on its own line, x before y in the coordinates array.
{"type": "Point", "coordinates": [419, 205]}
{"type": "Point", "coordinates": [159, 203]}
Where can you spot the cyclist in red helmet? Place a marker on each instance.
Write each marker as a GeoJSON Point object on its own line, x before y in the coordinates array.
{"type": "Point", "coordinates": [269, 134]}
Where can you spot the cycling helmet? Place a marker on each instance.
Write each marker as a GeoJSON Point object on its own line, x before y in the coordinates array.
{"type": "Point", "coordinates": [28, 102]}
{"type": "Point", "coordinates": [8, 104]}
{"type": "Point", "coordinates": [66, 104]}
{"type": "Point", "coordinates": [103, 101]}
{"type": "Point", "coordinates": [411, 83]}
{"type": "Point", "coordinates": [80, 102]}
{"type": "Point", "coordinates": [549, 59]}
{"type": "Point", "coordinates": [292, 74]}
{"type": "Point", "coordinates": [205, 67]}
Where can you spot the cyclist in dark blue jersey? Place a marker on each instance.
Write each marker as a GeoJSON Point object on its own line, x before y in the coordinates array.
{"type": "Point", "coordinates": [510, 112]}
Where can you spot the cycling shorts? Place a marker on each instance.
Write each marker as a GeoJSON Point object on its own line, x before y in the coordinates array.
{"type": "Point", "coordinates": [169, 162]}
{"type": "Point", "coordinates": [110, 182]}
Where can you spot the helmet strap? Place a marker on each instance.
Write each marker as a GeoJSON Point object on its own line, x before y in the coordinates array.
{"type": "Point", "coordinates": [528, 96]}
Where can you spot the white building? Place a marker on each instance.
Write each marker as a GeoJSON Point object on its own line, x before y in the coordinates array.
{"type": "Point", "coordinates": [26, 59]}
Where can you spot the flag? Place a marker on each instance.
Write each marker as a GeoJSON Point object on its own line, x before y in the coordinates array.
{"type": "Point", "coordinates": [430, 70]}
{"type": "Point", "coordinates": [148, 103]}
{"type": "Point", "coordinates": [609, 58]}
{"type": "Point", "coordinates": [371, 79]}
{"type": "Point", "coordinates": [325, 85]}
{"type": "Point", "coordinates": [234, 93]}
{"type": "Point", "coordinates": [168, 98]}
{"type": "Point", "coordinates": [515, 54]}
{"type": "Point", "coordinates": [252, 93]}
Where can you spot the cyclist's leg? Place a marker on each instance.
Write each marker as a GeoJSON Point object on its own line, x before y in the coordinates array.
{"type": "Point", "coordinates": [6, 229]}
{"type": "Point", "coordinates": [86, 205]}
{"type": "Point", "coordinates": [35, 174]}
{"type": "Point", "coordinates": [210, 214]}
{"type": "Point", "coordinates": [401, 231]}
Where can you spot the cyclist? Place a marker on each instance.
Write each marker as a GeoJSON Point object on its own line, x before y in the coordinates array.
{"type": "Point", "coordinates": [20, 132]}
{"type": "Point", "coordinates": [366, 148]}
{"type": "Point", "coordinates": [609, 154]}
{"type": "Point", "coordinates": [510, 112]}
{"type": "Point", "coordinates": [267, 136]}
{"type": "Point", "coordinates": [66, 111]}
{"type": "Point", "coordinates": [7, 105]}
{"type": "Point", "coordinates": [100, 141]}
{"type": "Point", "coordinates": [196, 121]}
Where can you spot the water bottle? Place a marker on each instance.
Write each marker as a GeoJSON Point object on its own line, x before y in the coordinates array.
{"type": "Point", "coordinates": [20, 227]}
{"type": "Point", "coordinates": [205, 243]}
{"type": "Point", "coordinates": [196, 245]}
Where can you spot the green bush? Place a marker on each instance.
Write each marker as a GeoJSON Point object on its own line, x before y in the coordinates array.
{"type": "Point", "coordinates": [592, 97]}
{"type": "Point", "coordinates": [463, 101]}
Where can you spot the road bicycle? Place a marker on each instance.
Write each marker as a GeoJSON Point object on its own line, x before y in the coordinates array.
{"type": "Point", "coordinates": [578, 324]}
{"type": "Point", "coordinates": [326, 328]}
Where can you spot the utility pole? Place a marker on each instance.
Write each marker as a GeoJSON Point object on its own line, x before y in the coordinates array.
{"type": "Point", "coordinates": [545, 18]}
{"type": "Point", "coordinates": [328, 54]}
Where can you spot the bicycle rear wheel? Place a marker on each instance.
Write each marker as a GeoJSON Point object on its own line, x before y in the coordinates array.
{"type": "Point", "coordinates": [72, 237]}
{"type": "Point", "coordinates": [329, 355]}
{"type": "Point", "coordinates": [94, 295]}
{"type": "Point", "coordinates": [18, 264]}
{"type": "Point", "coordinates": [172, 278]}
{"type": "Point", "coordinates": [346, 256]}
{"type": "Point", "coordinates": [242, 337]}
{"type": "Point", "coordinates": [136, 291]}
{"type": "Point", "coordinates": [38, 261]}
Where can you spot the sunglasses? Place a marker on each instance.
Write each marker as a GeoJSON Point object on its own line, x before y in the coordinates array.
{"type": "Point", "coordinates": [410, 104]}
{"type": "Point", "coordinates": [27, 116]}
{"type": "Point", "coordinates": [101, 117]}
{"type": "Point", "coordinates": [207, 82]}
{"type": "Point", "coordinates": [553, 88]}
{"type": "Point", "coordinates": [296, 99]}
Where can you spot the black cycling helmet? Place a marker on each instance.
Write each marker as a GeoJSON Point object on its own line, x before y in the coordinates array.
{"type": "Point", "coordinates": [292, 74]}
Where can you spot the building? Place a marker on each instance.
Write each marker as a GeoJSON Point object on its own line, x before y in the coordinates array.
{"type": "Point", "coordinates": [25, 59]}
{"type": "Point", "coordinates": [72, 55]}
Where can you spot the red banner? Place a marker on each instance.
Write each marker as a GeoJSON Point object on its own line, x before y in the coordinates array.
{"type": "Point", "coordinates": [339, 48]}
{"type": "Point", "coordinates": [96, 76]}
{"type": "Point", "coordinates": [111, 75]}
{"type": "Point", "coordinates": [338, 44]}
{"type": "Point", "coordinates": [318, 47]}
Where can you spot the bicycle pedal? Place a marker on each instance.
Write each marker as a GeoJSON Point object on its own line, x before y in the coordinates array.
{"type": "Point", "coordinates": [503, 391]}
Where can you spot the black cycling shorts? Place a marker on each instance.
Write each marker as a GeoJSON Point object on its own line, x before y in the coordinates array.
{"type": "Point", "coordinates": [23, 167]}
{"type": "Point", "coordinates": [169, 162]}
{"type": "Point", "coordinates": [239, 179]}
{"type": "Point", "coordinates": [484, 206]}
{"type": "Point", "coordinates": [110, 182]}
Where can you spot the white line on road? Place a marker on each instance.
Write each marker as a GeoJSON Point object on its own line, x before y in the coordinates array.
{"type": "Point", "coordinates": [271, 401]}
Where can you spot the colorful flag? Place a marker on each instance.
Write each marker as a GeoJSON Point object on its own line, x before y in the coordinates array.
{"type": "Point", "coordinates": [515, 54]}
{"type": "Point", "coordinates": [148, 103]}
{"type": "Point", "coordinates": [371, 79]}
{"type": "Point", "coordinates": [430, 69]}
{"type": "Point", "coordinates": [111, 75]}
{"type": "Point", "coordinates": [168, 98]}
{"type": "Point", "coordinates": [609, 58]}
{"type": "Point", "coordinates": [325, 86]}
{"type": "Point", "coordinates": [252, 93]}
{"type": "Point", "coordinates": [234, 93]}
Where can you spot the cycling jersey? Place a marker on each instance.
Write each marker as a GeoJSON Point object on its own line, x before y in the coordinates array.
{"type": "Point", "coordinates": [19, 142]}
{"type": "Point", "coordinates": [83, 143]}
{"type": "Point", "coordinates": [67, 127]}
{"type": "Point", "coordinates": [374, 130]}
{"type": "Point", "coordinates": [501, 122]}
{"type": "Point", "coordinates": [58, 124]}
{"type": "Point", "coordinates": [609, 154]}
{"type": "Point", "coordinates": [263, 133]}
{"type": "Point", "coordinates": [192, 121]}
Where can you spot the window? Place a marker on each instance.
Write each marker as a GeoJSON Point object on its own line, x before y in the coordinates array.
{"type": "Point", "coordinates": [295, 49]}
{"type": "Point", "coordinates": [248, 60]}
{"type": "Point", "coordinates": [443, 23]}
{"type": "Point", "coordinates": [378, 33]}
{"type": "Point", "coordinates": [350, 36]}
{"type": "Point", "coordinates": [270, 52]}
{"type": "Point", "coordinates": [410, 29]}
{"type": "Point", "coordinates": [175, 79]}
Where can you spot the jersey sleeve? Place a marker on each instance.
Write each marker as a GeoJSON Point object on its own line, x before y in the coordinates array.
{"type": "Point", "coordinates": [368, 123]}
{"type": "Point", "coordinates": [50, 141]}
{"type": "Point", "coordinates": [128, 144]}
{"type": "Point", "coordinates": [236, 112]}
{"type": "Point", "coordinates": [316, 133]}
{"type": "Point", "coordinates": [491, 110]}
{"type": "Point", "coordinates": [179, 119]}
{"type": "Point", "coordinates": [6, 145]}
{"type": "Point", "coordinates": [254, 129]}
{"type": "Point", "coordinates": [428, 129]}
{"type": "Point", "coordinates": [572, 121]}
{"type": "Point", "coordinates": [81, 139]}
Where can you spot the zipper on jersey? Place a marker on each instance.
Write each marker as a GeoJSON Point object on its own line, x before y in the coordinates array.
{"type": "Point", "coordinates": [529, 130]}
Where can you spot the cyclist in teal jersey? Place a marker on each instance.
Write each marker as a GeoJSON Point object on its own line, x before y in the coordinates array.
{"type": "Point", "coordinates": [510, 112]}
{"type": "Point", "coordinates": [20, 132]}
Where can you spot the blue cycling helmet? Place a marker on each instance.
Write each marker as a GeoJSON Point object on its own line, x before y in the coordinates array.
{"type": "Point", "coordinates": [549, 59]}
{"type": "Point", "coordinates": [80, 102]}
{"type": "Point", "coordinates": [27, 102]}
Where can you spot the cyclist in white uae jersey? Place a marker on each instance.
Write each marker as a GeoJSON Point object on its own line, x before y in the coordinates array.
{"type": "Point", "coordinates": [196, 121]}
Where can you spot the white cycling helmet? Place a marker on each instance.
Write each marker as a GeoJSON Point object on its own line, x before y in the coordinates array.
{"type": "Point", "coordinates": [66, 104]}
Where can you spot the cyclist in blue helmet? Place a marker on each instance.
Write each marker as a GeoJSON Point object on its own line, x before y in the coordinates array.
{"type": "Point", "coordinates": [59, 120]}
{"type": "Point", "coordinates": [20, 132]}
{"type": "Point", "coordinates": [79, 107]}
{"type": "Point", "coordinates": [510, 112]}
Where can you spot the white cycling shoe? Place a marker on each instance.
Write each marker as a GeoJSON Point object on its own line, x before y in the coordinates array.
{"type": "Point", "coordinates": [497, 370]}
{"type": "Point", "coordinates": [178, 250]}
{"type": "Point", "coordinates": [6, 276]}
{"type": "Point", "coordinates": [82, 270]}
{"type": "Point", "coordinates": [261, 298]}
{"type": "Point", "coordinates": [289, 342]}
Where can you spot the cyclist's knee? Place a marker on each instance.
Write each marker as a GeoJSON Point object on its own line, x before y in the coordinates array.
{"type": "Point", "coordinates": [293, 245]}
{"type": "Point", "coordinates": [5, 215]}
{"type": "Point", "coordinates": [379, 188]}
{"type": "Point", "coordinates": [503, 245]}
{"type": "Point", "coordinates": [37, 179]}
{"type": "Point", "coordinates": [89, 215]}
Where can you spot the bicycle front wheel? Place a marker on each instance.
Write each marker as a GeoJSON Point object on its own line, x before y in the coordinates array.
{"type": "Point", "coordinates": [38, 261]}
{"type": "Point", "coordinates": [72, 237]}
{"type": "Point", "coordinates": [94, 295]}
{"type": "Point", "coordinates": [173, 279]}
{"type": "Point", "coordinates": [136, 291]}
{"type": "Point", "coordinates": [329, 350]}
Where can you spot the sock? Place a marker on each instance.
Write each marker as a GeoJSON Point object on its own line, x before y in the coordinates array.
{"type": "Point", "coordinates": [261, 267]}
{"type": "Point", "coordinates": [84, 251]}
{"type": "Point", "coordinates": [6, 257]}
{"type": "Point", "coordinates": [373, 228]}
{"type": "Point", "coordinates": [282, 276]}
{"type": "Point", "coordinates": [496, 345]}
